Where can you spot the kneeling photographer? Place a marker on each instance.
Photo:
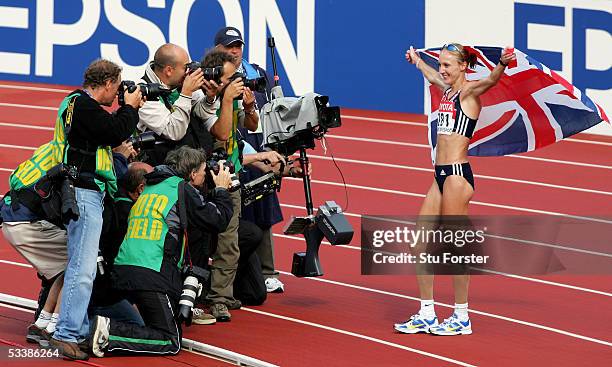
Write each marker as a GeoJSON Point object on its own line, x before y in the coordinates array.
{"type": "Point", "coordinates": [153, 258]}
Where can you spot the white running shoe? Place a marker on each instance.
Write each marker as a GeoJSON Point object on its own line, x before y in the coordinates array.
{"type": "Point", "coordinates": [99, 335]}
{"type": "Point", "coordinates": [273, 285]}
{"type": "Point", "coordinates": [453, 326]}
{"type": "Point", "coordinates": [417, 324]}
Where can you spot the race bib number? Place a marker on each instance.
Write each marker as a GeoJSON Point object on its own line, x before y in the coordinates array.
{"type": "Point", "coordinates": [446, 117]}
{"type": "Point", "coordinates": [445, 123]}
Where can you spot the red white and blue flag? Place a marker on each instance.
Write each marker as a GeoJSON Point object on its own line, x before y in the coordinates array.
{"type": "Point", "coordinates": [530, 107]}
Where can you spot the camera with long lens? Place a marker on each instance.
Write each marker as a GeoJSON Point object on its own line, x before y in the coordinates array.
{"type": "Point", "coordinates": [256, 85]}
{"type": "Point", "coordinates": [150, 91]}
{"type": "Point", "coordinates": [58, 198]}
{"type": "Point", "coordinates": [213, 164]}
{"type": "Point", "coordinates": [196, 280]}
{"type": "Point", "coordinates": [144, 140]}
{"type": "Point", "coordinates": [213, 73]}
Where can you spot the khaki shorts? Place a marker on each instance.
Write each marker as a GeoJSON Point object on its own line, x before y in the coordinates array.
{"type": "Point", "coordinates": [41, 243]}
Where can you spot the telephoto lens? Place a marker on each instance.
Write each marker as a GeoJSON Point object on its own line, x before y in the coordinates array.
{"type": "Point", "coordinates": [191, 289]}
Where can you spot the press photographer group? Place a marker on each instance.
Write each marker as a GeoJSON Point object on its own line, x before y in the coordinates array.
{"type": "Point", "coordinates": [158, 215]}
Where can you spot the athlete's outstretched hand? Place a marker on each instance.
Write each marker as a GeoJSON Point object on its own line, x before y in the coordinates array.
{"type": "Point", "coordinates": [411, 56]}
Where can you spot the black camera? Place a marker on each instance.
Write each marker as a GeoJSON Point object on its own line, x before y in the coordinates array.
{"type": "Point", "coordinates": [256, 85]}
{"type": "Point", "coordinates": [151, 91]}
{"type": "Point", "coordinates": [144, 140]}
{"type": "Point", "coordinates": [196, 280]}
{"type": "Point", "coordinates": [213, 164]}
{"type": "Point", "coordinates": [260, 187]}
{"type": "Point", "coordinates": [329, 116]}
{"type": "Point", "coordinates": [56, 190]}
{"type": "Point", "coordinates": [213, 73]}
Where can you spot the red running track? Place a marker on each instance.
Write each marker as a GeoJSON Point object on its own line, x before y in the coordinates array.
{"type": "Point", "coordinates": [345, 318]}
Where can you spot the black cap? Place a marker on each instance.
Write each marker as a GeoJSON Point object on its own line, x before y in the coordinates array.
{"type": "Point", "coordinates": [227, 36]}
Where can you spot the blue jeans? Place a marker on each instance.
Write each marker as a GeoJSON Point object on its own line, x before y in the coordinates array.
{"type": "Point", "coordinates": [122, 311]}
{"type": "Point", "coordinates": [83, 244]}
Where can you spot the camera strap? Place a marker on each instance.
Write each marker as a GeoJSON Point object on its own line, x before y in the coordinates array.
{"type": "Point", "coordinates": [182, 212]}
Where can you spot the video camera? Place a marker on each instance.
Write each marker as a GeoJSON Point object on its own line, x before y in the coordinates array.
{"type": "Point", "coordinates": [291, 123]}
{"type": "Point", "coordinates": [144, 140]}
{"type": "Point", "coordinates": [152, 91]}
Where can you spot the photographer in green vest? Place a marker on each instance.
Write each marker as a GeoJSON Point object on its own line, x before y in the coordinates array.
{"type": "Point", "coordinates": [149, 267]}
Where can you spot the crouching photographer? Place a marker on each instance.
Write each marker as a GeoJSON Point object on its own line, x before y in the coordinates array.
{"type": "Point", "coordinates": [151, 261]}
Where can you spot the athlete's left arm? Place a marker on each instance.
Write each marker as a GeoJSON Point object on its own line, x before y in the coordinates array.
{"type": "Point", "coordinates": [480, 86]}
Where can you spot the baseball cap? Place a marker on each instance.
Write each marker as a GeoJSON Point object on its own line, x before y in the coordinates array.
{"type": "Point", "coordinates": [228, 35]}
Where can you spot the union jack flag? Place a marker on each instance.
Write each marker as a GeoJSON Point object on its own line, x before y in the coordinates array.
{"type": "Point", "coordinates": [530, 107]}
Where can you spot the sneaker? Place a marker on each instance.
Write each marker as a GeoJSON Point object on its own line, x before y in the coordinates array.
{"type": "Point", "coordinates": [220, 312]}
{"type": "Point", "coordinates": [202, 318]}
{"type": "Point", "coordinates": [34, 334]}
{"type": "Point", "coordinates": [234, 304]}
{"type": "Point", "coordinates": [99, 332]}
{"type": "Point", "coordinates": [417, 324]}
{"type": "Point", "coordinates": [453, 326]}
{"type": "Point", "coordinates": [273, 285]}
{"type": "Point", "coordinates": [69, 350]}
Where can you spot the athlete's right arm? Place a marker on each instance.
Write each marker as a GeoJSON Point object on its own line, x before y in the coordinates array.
{"type": "Point", "coordinates": [429, 73]}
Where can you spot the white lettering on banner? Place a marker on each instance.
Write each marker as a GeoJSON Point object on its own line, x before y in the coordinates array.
{"type": "Point", "coordinates": [299, 65]}
{"type": "Point", "coordinates": [137, 27]}
{"type": "Point", "coordinates": [179, 16]}
{"type": "Point", "coordinates": [233, 14]}
{"type": "Point", "coordinates": [13, 62]}
{"type": "Point", "coordinates": [49, 34]}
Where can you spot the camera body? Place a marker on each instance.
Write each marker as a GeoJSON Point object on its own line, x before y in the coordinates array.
{"type": "Point", "coordinates": [150, 91]}
{"type": "Point", "coordinates": [213, 164]}
{"type": "Point", "coordinates": [213, 73]}
{"type": "Point", "coordinates": [56, 191]}
{"type": "Point", "coordinates": [256, 85]}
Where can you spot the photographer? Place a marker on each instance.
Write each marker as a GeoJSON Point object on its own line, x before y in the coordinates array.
{"type": "Point", "coordinates": [88, 132]}
{"type": "Point", "coordinates": [224, 128]}
{"type": "Point", "coordinates": [169, 117]}
{"type": "Point", "coordinates": [152, 256]}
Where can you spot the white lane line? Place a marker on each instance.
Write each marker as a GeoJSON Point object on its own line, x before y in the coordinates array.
{"type": "Point", "coordinates": [353, 117]}
{"type": "Point", "coordinates": [22, 126]}
{"type": "Point", "coordinates": [426, 146]}
{"type": "Point", "coordinates": [520, 277]}
{"type": "Point", "coordinates": [188, 345]}
{"type": "Point", "coordinates": [399, 295]}
{"type": "Point", "coordinates": [10, 146]}
{"type": "Point", "coordinates": [477, 312]}
{"type": "Point", "coordinates": [424, 124]}
{"type": "Point", "coordinates": [23, 265]}
{"type": "Point", "coordinates": [388, 142]}
{"type": "Point", "coordinates": [19, 105]}
{"type": "Point", "coordinates": [428, 170]}
{"type": "Point", "coordinates": [413, 194]}
{"type": "Point", "coordinates": [38, 89]}
{"type": "Point", "coordinates": [474, 202]}
{"type": "Point", "coordinates": [405, 167]}
{"type": "Point", "coordinates": [511, 239]}
{"type": "Point", "coordinates": [357, 335]}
